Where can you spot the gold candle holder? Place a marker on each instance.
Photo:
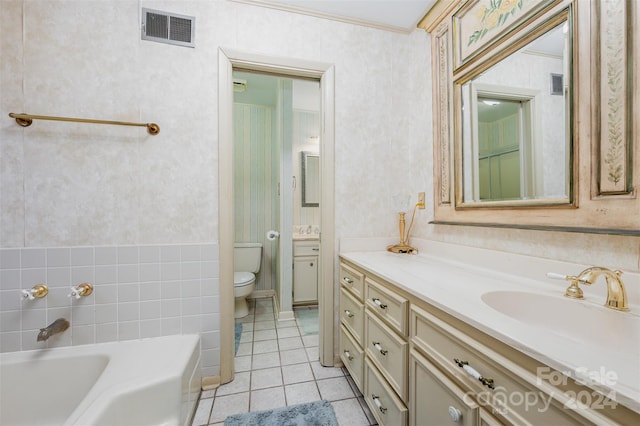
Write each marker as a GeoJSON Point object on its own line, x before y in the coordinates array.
{"type": "Point", "coordinates": [404, 247]}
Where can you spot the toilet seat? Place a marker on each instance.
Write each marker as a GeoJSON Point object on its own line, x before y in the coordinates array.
{"type": "Point", "coordinates": [241, 279]}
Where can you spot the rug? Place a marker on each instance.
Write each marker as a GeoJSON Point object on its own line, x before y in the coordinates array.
{"type": "Point", "coordinates": [238, 334]}
{"type": "Point", "coordinates": [308, 320]}
{"type": "Point", "coordinates": [317, 413]}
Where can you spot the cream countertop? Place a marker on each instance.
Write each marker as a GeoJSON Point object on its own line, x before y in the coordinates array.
{"type": "Point", "coordinates": [457, 287]}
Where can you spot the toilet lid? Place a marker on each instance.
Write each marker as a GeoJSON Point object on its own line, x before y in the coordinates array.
{"type": "Point", "coordinates": [242, 278]}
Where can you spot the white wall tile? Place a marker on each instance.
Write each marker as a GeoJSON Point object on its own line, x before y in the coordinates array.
{"type": "Point", "coordinates": [128, 311]}
{"type": "Point", "coordinates": [190, 270]}
{"type": "Point", "coordinates": [58, 257]}
{"type": "Point", "coordinates": [190, 253]}
{"type": "Point", "coordinates": [150, 309]}
{"type": "Point", "coordinates": [106, 332]}
{"type": "Point", "coordinates": [170, 308]}
{"type": "Point", "coordinates": [81, 256]}
{"type": "Point", "coordinates": [149, 254]}
{"type": "Point", "coordinates": [128, 273]}
{"type": "Point", "coordinates": [59, 277]}
{"type": "Point", "coordinates": [10, 300]}
{"type": "Point", "coordinates": [150, 290]}
{"type": "Point", "coordinates": [106, 255]}
{"type": "Point", "coordinates": [82, 274]}
{"type": "Point", "coordinates": [171, 326]}
{"type": "Point", "coordinates": [106, 274]}
{"type": "Point", "coordinates": [170, 254]}
{"type": "Point", "coordinates": [10, 341]}
{"type": "Point", "coordinates": [10, 279]}
{"type": "Point", "coordinates": [31, 277]}
{"type": "Point", "coordinates": [170, 289]}
{"type": "Point", "coordinates": [33, 258]}
{"type": "Point", "coordinates": [128, 330]}
{"type": "Point", "coordinates": [149, 272]}
{"type": "Point", "coordinates": [106, 294]}
{"type": "Point", "coordinates": [128, 292]}
{"type": "Point", "coordinates": [106, 314]}
{"type": "Point", "coordinates": [170, 271]}
{"type": "Point", "coordinates": [11, 320]}
{"type": "Point", "coordinates": [128, 255]}
{"type": "Point", "coordinates": [9, 259]}
{"type": "Point", "coordinates": [150, 328]}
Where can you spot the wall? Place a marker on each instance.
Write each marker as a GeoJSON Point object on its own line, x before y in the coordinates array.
{"type": "Point", "coordinates": [257, 174]}
{"type": "Point", "coordinates": [306, 129]}
{"type": "Point", "coordinates": [71, 186]}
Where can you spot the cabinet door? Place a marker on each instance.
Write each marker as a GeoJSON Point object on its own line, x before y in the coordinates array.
{"type": "Point", "coordinates": [436, 400]}
{"type": "Point", "coordinates": [305, 279]}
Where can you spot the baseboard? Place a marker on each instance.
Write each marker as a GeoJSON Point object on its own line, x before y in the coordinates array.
{"type": "Point", "coordinates": [210, 382]}
{"type": "Point", "coordinates": [259, 294]}
{"type": "Point", "coordinates": [285, 316]}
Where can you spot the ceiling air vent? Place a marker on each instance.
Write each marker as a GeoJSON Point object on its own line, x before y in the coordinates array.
{"type": "Point", "coordinates": [165, 27]}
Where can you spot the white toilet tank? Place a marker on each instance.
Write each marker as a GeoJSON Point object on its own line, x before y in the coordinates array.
{"type": "Point", "coordinates": [247, 257]}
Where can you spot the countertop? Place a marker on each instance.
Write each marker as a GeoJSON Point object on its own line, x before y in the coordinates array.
{"type": "Point", "coordinates": [456, 288]}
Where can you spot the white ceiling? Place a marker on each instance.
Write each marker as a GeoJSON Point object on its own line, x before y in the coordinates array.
{"type": "Point", "coordinates": [395, 15]}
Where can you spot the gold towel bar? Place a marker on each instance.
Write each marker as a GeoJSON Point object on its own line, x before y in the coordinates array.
{"type": "Point", "coordinates": [25, 120]}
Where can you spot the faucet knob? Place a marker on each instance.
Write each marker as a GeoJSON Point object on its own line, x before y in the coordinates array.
{"type": "Point", "coordinates": [38, 290]}
{"type": "Point", "coordinates": [84, 289]}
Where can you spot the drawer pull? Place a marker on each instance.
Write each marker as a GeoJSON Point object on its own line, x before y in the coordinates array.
{"type": "Point", "coordinates": [474, 373]}
{"type": "Point", "coordinates": [348, 355]}
{"type": "Point", "coordinates": [376, 400]}
{"type": "Point", "coordinates": [379, 303]}
{"type": "Point", "coordinates": [455, 414]}
{"type": "Point", "coordinates": [347, 280]}
{"type": "Point", "coordinates": [348, 313]}
{"type": "Point", "coordinates": [315, 249]}
{"type": "Point", "coordinates": [379, 348]}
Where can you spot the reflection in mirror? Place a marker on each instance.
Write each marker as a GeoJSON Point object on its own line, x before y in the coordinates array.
{"type": "Point", "coordinates": [310, 179]}
{"type": "Point", "coordinates": [516, 142]}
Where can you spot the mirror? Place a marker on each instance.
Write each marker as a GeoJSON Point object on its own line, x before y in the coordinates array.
{"type": "Point", "coordinates": [514, 136]}
{"type": "Point", "coordinates": [310, 179]}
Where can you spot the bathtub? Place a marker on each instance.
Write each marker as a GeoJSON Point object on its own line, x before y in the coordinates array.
{"type": "Point", "coordinates": [139, 382]}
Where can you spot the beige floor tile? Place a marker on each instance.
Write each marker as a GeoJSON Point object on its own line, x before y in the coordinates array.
{"type": "Point", "coordinates": [239, 384]}
{"type": "Point", "coordinates": [320, 372]}
{"type": "Point", "coordinates": [265, 399]}
{"type": "Point", "coordinates": [290, 343]}
{"type": "Point", "coordinates": [301, 392]}
{"type": "Point", "coordinates": [201, 417]}
{"type": "Point", "coordinates": [265, 346]}
{"type": "Point", "coordinates": [293, 356]}
{"type": "Point", "coordinates": [267, 378]}
{"type": "Point", "coordinates": [296, 373]}
{"type": "Point", "coordinates": [335, 389]}
{"type": "Point", "coordinates": [349, 412]}
{"type": "Point", "coordinates": [227, 405]}
{"type": "Point", "coordinates": [266, 360]}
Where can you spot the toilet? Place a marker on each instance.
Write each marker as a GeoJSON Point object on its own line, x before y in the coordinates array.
{"type": "Point", "coordinates": [246, 263]}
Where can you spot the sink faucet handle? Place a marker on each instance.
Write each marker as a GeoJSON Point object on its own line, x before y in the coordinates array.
{"type": "Point", "coordinates": [573, 290]}
{"type": "Point", "coordinates": [556, 276]}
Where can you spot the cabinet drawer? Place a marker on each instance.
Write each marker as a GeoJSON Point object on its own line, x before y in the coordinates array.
{"type": "Point", "coordinates": [352, 315]}
{"type": "Point", "coordinates": [384, 404]}
{"type": "Point", "coordinates": [352, 356]}
{"type": "Point", "coordinates": [352, 280]}
{"type": "Point", "coordinates": [388, 351]}
{"type": "Point", "coordinates": [444, 344]}
{"type": "Point", "coordinates": [436, 400]}
{"type": "Point", "coordinates": [388, 305]}
{"type": "Point", "coordinates": [306, 248]}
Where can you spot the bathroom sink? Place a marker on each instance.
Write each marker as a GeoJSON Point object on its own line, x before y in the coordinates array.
{"type": "Point", "coordinates": [573, 319]}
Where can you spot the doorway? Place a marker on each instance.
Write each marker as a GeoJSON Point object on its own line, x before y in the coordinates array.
{"type": "Point", "coordinates": [228, 61]}
{"type": "Point", "coordinates": [276, 140]}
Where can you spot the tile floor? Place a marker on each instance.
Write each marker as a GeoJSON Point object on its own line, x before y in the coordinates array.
{"type": "Point", "coordinates": [277, 365]}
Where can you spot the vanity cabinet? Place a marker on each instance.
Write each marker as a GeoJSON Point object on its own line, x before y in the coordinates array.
{"type": "Point", "coordinates": [419, 365]}
{"type": "Point", "coordinates": [352, 323]}
{"type": "Point", "coordinates": [305, 272]}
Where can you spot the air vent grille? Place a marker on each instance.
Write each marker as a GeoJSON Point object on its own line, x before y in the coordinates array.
{"type": "Point", "coordinates": [165, 27]}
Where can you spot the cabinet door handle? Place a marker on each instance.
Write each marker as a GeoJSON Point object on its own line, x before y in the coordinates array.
{"type": "Point", "coordinates": [348, 313]}
{"type": "Point", "coordinates": [379, 303]}
{"type": "Point", "coordinates": [347, 280]}
{"type": "Point", "coordinates": [379, 348]}
{"type": "Point", "coordinates": [311, 264]}
{"type": "Point", "coordinates": [348, 355]}
{"type": "Point", "coordinates": [474, 373]}
{"type": "Point", "coordinates": [376, 400]}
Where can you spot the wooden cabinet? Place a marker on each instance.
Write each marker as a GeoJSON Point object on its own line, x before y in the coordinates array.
{"type": "Point", "coordinates": [305, 272]}
{"type": "Point", "coordinates": [418, 365]}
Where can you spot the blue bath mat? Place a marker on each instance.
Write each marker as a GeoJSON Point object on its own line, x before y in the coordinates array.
{"type": "Point", "coordinates": [317, 413]}
{"type": "Point", "coordinates": [238, 334]}
{"type": "Point", "coordinates": [308, 320]}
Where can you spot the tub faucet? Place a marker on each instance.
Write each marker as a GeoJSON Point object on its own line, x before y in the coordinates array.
{"type": "Point", "coordinates": [58, 326]}
{"type": "Point", "coordinates": [616, 293]}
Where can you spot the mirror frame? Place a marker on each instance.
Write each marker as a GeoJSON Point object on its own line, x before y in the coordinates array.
{"type": "Point", "coordinates": [460, 79]}
{"type": "Point", "coordinates": [603, 36]}
{"type": "Point", "coordinates": [305, 179]}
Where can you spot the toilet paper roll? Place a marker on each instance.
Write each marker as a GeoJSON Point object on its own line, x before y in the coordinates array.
{"type": "Point", "coordinates": [272, 235]}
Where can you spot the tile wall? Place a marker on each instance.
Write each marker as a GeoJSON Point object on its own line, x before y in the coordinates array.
{"type": "Point", "coordinates": [139, 291]}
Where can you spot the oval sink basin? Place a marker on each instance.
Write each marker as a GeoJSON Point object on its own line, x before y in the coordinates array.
{"type": "Point", "coordinates": [573, 319]}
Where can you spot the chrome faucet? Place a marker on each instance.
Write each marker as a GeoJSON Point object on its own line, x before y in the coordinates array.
{"type": "Point", "coordinates": [616, 293]}
{"type": "Point", "coordinates": [58, 326]}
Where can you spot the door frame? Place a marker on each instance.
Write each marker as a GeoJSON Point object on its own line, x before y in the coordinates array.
{"type": "Point", "coordinates": [228, 59]}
